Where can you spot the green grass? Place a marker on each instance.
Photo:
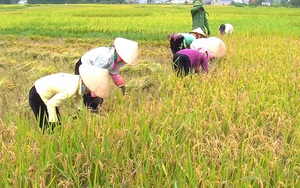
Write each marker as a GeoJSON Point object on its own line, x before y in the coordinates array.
{"type": "Point", "coordinates": [141, 22]}
{"type": "Point", "coordinates": [237, 126]}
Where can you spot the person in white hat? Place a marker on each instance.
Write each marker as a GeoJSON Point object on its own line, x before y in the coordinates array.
{"type": "Point", "coordinates": [198, 32]}
{"type": "Point", "coordinates": [112, 58]}
{"type": "Point", "coordinates": [225, 29]}
{"type": "Point", "coordinates": [52, 91]}
{"type": "Point", "coordinates": [214, 44]}
{"type": "Point", "coordinates": [179, 41]}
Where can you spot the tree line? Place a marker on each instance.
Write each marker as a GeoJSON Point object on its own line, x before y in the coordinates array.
{"type": "Point", "coordinates": [62, 1]}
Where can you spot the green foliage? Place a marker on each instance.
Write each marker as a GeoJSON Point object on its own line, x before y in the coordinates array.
{"type": "Point", "coordinates": [239, 4]}
{"type": "Point", "coordinates": [295, 3]}
{"type": "Point", "coordinates": [140, 22]}
{"type": "Point", "coordinates": [5, 1]}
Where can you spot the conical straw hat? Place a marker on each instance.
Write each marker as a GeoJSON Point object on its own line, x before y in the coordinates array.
{"type": "Point", "coordinates": [95, 79]}
{"type": "Point", "coordinates": [199, 43]}
{"type": "Point", "coordinates": [215, 45]}
{"type": "Point", "coordinates": [127, 49]}
{"type": "Point", "coordinates": [199, 31]}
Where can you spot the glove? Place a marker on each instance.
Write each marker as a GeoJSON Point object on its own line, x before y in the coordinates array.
{"type": "Point", "coordinates": [123, 89]}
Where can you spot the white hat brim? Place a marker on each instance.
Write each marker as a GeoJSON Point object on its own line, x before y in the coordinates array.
{"type": "Point", "coordinates": [127, 50]}
{"type": "Point", "coordinates": [95, 79]}
{"type": "Point", "coordinates": [215, 45]}
{"type": "Point", "coordinates": [199, 31]}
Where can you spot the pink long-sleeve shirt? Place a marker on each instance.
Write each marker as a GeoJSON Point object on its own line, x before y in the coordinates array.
{"type": "Point", "coordinates": [197, 59]}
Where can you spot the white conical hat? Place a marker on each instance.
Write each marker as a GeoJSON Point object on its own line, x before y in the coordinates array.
{"type": "Point", "coordinates": [199, 31]}
{"type": "Point", "coordinates": [215, 45]}
{"type": "Point", "coordinates": [199, 43]}
{"type": "Point", "coordinates": [127, 49]}
{"type": "Point", "coordinates": [95, 79]}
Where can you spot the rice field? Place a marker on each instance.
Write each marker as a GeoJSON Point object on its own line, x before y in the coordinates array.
{"type": "Point", "coordinates": [237, 126]}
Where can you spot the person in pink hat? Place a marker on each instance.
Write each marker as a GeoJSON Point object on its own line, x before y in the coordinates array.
{"type": "Point", "coordinates": [50, 92]}
{"type": "Point", "coordinates": [121, 52]}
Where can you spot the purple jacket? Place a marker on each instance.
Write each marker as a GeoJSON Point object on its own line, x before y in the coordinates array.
{"type": "Point", "coordinates": [197, 59]}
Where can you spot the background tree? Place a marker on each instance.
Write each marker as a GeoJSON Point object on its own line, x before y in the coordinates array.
{"type": "Point", "coordinates": [295, 3]}
{"type": "Point", "coordinates": [5, 1]}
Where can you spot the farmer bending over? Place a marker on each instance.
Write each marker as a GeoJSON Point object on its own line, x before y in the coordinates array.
{"type": "Point", "coordinates": [187, 60]}
{"type": "Point", "coordinates": [112, 58]}
{"type": "Point", "coordinates": [52, 91]}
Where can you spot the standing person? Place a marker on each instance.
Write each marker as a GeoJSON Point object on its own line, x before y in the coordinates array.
{"type": "Point", "coordinates": [199, 18]}
{"type": "Point", "coordinates": [189, 59]}
{"type": "Point", "coordinates": [225, 29]}
{"type": "Point", "coordinates": [179, 41]}
{"type": "Point", "coordinates": [121, 52]}
{"type": "Point", "coordinates": [52, 91]}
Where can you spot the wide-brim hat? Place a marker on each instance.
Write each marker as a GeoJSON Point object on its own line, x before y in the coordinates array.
{"type": "Point", "coordinates": [215, 45]}
{"type": "Point", "coordinates": [199, 43]}
{"type": "Point", "coordinates": [95, 79]}
{"type": "Point", "coordinates": [127, 50]}
{"type": "Point", "coordinates": [199, 31]}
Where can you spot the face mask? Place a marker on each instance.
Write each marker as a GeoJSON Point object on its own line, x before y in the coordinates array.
{"type": "Point", "coordinates": [115, 57]}
{"type": "Point", "coordinates": [83, 88]}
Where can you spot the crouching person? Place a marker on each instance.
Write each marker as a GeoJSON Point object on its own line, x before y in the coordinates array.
{"type": "Point", "coordinates": [112, 58]}
{"type": "Point", "coordinates": [225, 29]}
{"type": "Point", "coordinates": [180, 41]}
{"type": "Point", "coordinates": [187, 60]}
{"type": "Point", "coordinates": [53, 91]}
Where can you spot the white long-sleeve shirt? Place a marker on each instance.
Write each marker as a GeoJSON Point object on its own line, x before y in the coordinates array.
{"type": "Point", "coordinates": [57, 89]}
{"type": "Point", "coordinates": [102, 57]}
{"type": "Point", "coordinates": [228, 29]}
